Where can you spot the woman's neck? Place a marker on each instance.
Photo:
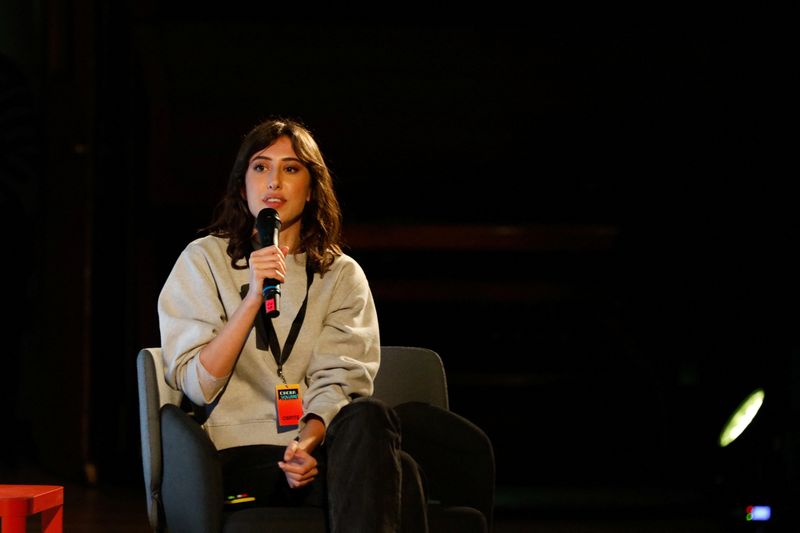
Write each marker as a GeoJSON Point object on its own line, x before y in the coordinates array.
{"type": "Point", "coordinates": [290, 237]}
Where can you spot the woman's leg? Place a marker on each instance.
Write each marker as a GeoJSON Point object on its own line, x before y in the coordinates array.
{"type": "Point", "coordinates": [414, 505]}
{"type": "Point", "coordinates": [365, 471]}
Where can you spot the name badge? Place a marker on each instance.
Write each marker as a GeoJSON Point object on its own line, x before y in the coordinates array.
{"type": "Point", "coordinates": [290, 406]}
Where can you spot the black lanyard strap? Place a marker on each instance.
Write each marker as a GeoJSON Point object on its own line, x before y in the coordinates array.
{"type": "Point", "coordinates": [281, 355]}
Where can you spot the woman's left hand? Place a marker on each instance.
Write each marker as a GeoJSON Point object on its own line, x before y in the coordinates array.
{"type": "Point", "coordinates": [299, 466]}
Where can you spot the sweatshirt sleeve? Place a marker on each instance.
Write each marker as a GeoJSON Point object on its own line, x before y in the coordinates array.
{"type": "Point", "coordinates": [347, 353]}
{"type": "Point", "coordinates": [190, 315]}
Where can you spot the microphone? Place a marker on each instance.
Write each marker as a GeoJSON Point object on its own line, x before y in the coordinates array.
{"type": "Point", "coordinates": [268, 224]}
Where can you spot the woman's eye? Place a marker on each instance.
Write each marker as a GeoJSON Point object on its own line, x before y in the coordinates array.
{"type": "Point", "coordinates": [258, 167]}
{"type": "Point", "coordinates": [291, 169]}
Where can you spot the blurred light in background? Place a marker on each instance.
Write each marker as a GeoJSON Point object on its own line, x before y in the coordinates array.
{"type": "Point", "coordinates": [741, 417]}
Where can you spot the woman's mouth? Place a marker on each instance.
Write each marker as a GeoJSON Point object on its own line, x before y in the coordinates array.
{"type": "Point", "coordinates": [274, 201]}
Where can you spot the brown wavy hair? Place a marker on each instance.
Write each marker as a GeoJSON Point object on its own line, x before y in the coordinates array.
{"type": "Point", "coordinates": [321, 223]}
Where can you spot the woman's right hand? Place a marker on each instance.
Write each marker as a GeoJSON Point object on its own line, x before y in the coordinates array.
{"type": "Point", "coordinates": [266, 263]}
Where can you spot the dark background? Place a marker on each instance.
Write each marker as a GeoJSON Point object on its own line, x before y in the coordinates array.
{"type": "Point", "coordinates": [591, 221]}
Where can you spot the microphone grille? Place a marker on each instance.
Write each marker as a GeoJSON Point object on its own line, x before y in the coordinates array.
{"type": "Point", "coordinates": [267, 218]}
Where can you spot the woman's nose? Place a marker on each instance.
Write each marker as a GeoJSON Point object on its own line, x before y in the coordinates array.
{"type": "Point", "coordinates": [274, 181]}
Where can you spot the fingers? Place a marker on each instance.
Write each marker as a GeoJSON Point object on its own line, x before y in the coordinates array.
{"type": "Point", "coordinates": [290, 449]}
{"type": "Point", "coordinates": [299, 467]}
{"type": "Point", "coordinates": [298, 473]}
{"type": "Point", "coordinates": [298, 477]}
{"type": "Point", "coordinates": [269, 263]}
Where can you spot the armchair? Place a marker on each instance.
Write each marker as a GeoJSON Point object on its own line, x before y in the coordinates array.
{"type": "Point", "coordinates": [183, 477]}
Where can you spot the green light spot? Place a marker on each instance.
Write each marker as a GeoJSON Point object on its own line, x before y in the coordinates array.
{"type": "Point", "coordinates": [742, 417]}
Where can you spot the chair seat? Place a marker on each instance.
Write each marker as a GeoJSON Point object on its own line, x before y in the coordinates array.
{"type": "Point", "coordinates": [263, 519]}
{"type": "Point", "coordinates": [456, 518]}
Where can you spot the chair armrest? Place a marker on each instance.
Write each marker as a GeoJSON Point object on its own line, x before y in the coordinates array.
{"type": "Point", "coordinates": [456, 456]}
{"type": "Point", "coordinates": [150, 432]}
{"type": "Point", "coordinates": [191, 488]}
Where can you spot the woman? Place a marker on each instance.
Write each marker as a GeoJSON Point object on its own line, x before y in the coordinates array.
{"type": "Point", "coordinates": [246, 370]}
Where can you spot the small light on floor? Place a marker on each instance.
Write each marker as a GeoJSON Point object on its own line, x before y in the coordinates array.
{"type": "Point", "coordinates": [758, 513]}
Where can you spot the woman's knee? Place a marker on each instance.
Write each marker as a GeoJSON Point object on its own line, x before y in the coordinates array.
{"type": "Point", "coordinates": [367, 414]}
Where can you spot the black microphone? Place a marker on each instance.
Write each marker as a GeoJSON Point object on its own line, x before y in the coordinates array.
{"type": "Point", "coordinates": [268, 224]}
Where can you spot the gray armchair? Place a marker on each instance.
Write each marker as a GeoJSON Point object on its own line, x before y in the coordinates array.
{"type": "Point", "coordinates": [183, 478]}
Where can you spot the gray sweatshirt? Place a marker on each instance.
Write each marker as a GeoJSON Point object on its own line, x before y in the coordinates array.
{"type": "Point", "coordinates": [334, 359]}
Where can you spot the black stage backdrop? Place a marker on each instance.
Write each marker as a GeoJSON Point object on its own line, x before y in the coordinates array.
{"type": "Point", "coordinates": [591, 223]}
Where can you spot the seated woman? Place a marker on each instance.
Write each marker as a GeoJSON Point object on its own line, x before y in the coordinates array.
{"type": "Point", "coordinates": [287, 398]}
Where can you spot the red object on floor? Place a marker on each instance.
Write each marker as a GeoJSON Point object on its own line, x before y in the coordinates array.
{"type": "Point", "coordinates": [17, 502]}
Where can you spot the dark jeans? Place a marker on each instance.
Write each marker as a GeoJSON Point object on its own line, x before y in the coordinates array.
{"type": "Point", "coordinates": [367, 483]}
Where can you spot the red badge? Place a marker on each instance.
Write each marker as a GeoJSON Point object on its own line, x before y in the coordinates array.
{"type": "Point", "coordinates": [290, 405]}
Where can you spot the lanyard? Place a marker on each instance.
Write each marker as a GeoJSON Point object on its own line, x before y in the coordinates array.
{"type": "Point", "coordinates": [281, 355]}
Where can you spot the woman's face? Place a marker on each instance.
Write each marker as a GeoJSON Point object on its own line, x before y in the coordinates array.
{"type": "Point", "coordinates": [277, 178]}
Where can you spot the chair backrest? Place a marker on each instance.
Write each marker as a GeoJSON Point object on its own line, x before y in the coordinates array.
{"type": "Point", "coordinates": [411, 374]}
{"type": "Point", "coordinates": [153, 393]}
